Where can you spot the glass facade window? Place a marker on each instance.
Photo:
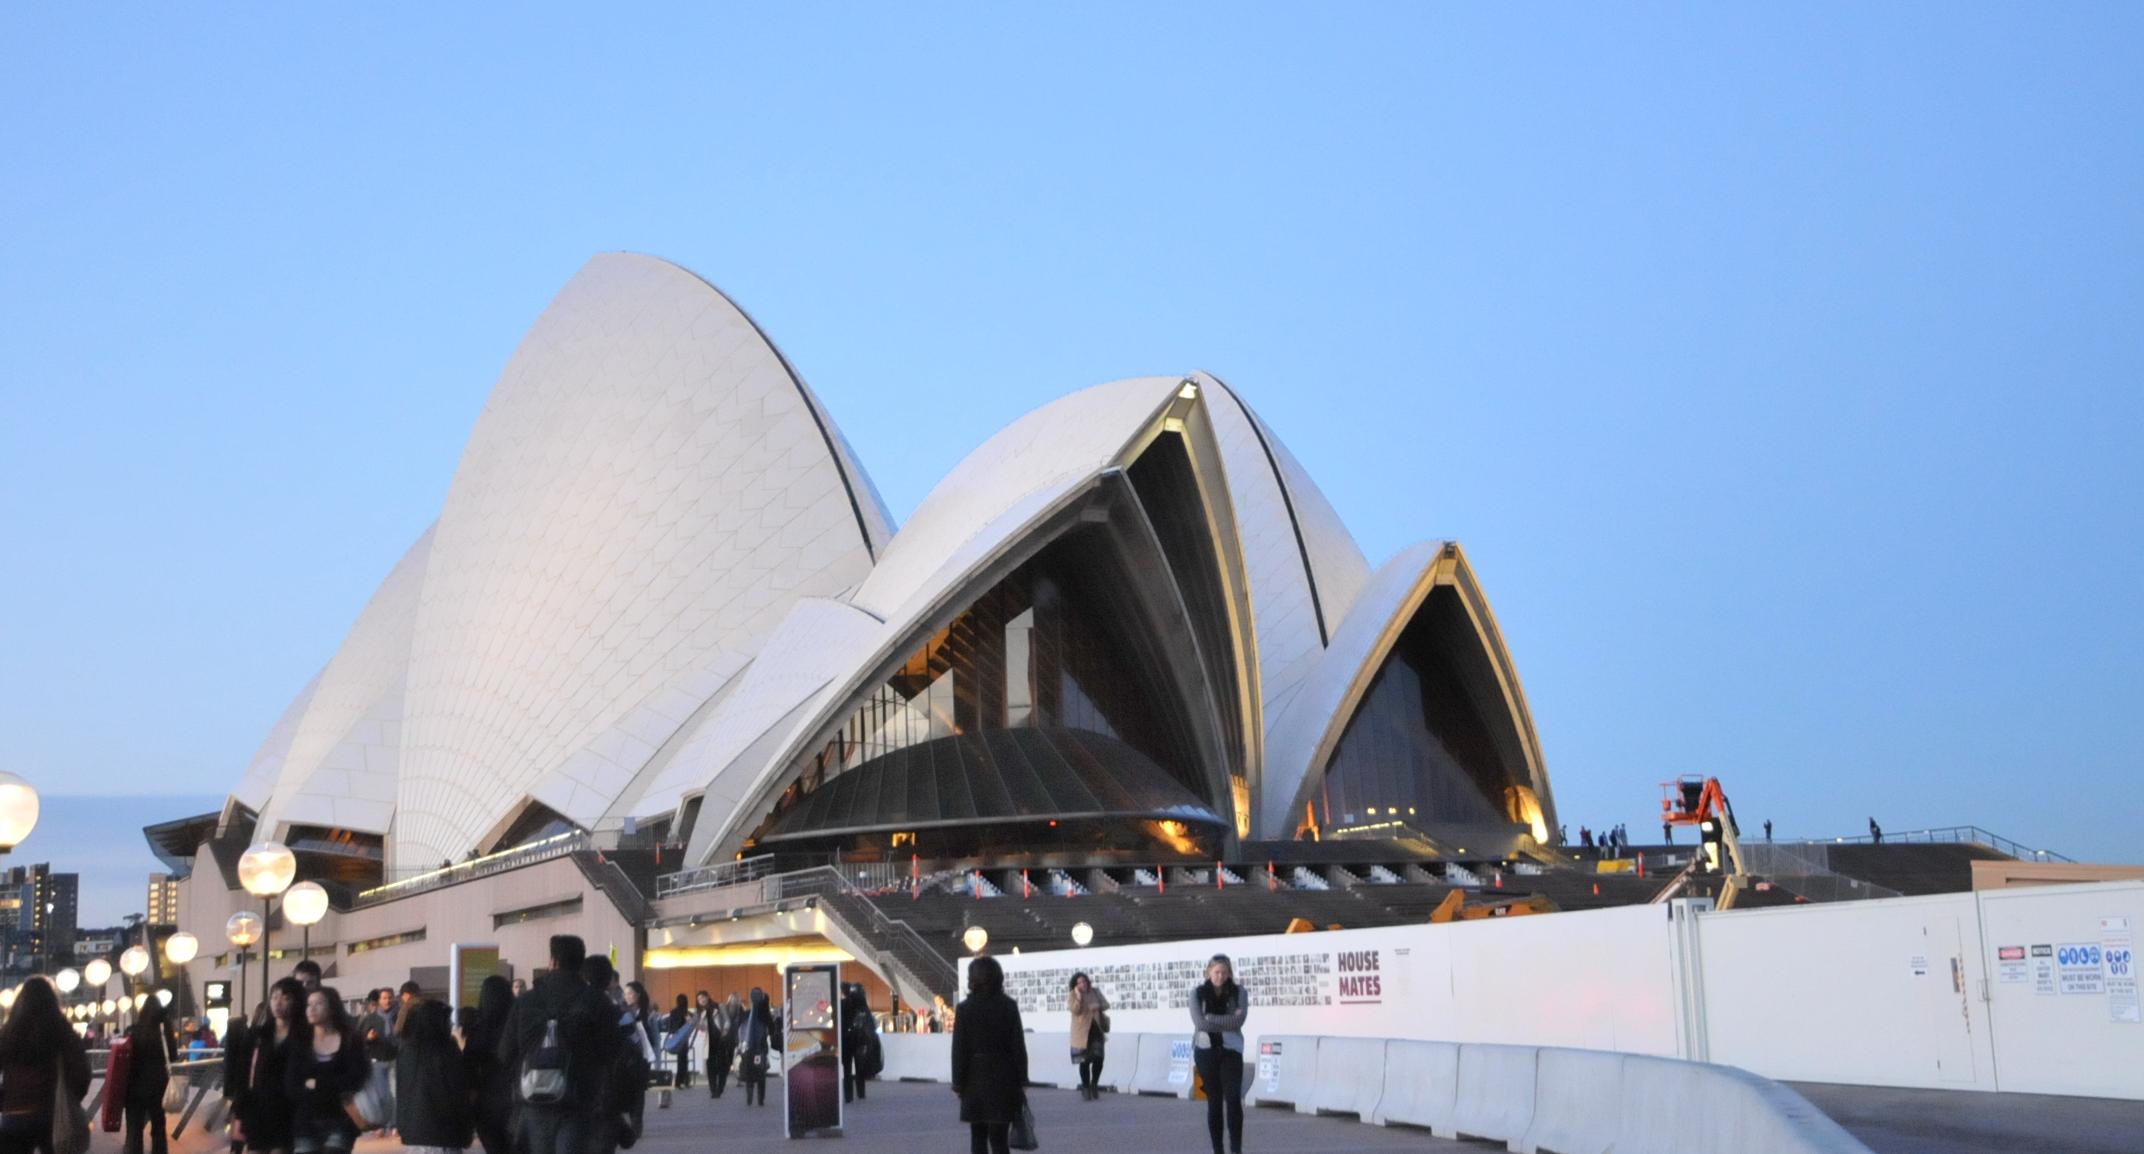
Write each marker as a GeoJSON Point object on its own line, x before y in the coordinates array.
{"type": "Point", "coordinates": [1060, 643]}
{"type": "Point", "coordinates": [1423, 745]}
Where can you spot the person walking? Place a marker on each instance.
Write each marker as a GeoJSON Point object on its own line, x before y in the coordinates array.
{"type": "Point", "coordinates": [264, 1110]}
{"type": "Point", "coordinates": [1218, 1008]}
{"type": "Point", "coordinates": [754, 1038]}
{"type": "Point", "coordinates": [151, 1053]}
{"type": "Point", "coordinates": [677, 1027]}
{"type": "Point", "coordinates": [723, 1018]}
{"type": "Point", "coordinates": [326, 1068]}
{"type": "Point", "coordinates": [435, 1112]}
{"type": "Point", "coordinates": [989, 1059]}
{"type": "Point", "coordinates": [488, 1079]}
{"type": "Point", "coordinates": [376, 1027]}
{"type": "Point", "coordinates": [1768, 831]}
{"type": "Point", "coordinates": [39, 1054]}
{"type": "Point", "coordinates": [1089, 1034]}
{"type": "Point", "coordinates": [562, 1024]}
{"type": "Point", "coordinates": [859, 1031]}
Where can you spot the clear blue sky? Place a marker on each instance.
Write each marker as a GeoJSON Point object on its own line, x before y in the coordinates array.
{"type": "Point", "coordinates": [1781, 367]}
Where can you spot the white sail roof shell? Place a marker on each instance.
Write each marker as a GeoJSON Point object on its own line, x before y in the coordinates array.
{"type": "Point", "coordinates": [659, 570]}
{"type": "Point", "coordinates": [647, 492]}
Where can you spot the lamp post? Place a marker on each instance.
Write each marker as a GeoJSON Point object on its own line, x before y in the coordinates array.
{"type": "Point", "coordinates": [18, 811]}
{"type": "Point", "coordinates": [241, 931]}
{"type": "Point", "coordinates": [306, 904]}
{"type": "Point", "coordinates": [265, 871]}
{"type": "Point", "coordinates": [133, 962]}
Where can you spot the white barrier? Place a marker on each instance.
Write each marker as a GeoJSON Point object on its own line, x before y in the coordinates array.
{"type": "Point", "coordinates": [1496, 1092]}
{"type": "Point", "coordinates": [1164, 1065]}
{"type": "Point", "coordinates": [1120, 1062]}
{"type": "Point", "coordinates": [1575, 1091]}
{"type": "Point", "coordinates": [917, 1057]}
{"type": "Point", "coordinates": [1671, 1106]}
{"type": "Point", "coordinates": [1049, 1061]}
{"type": "Point", "coordinates": [1421, 1086]}
{"type": "Point", "coordinates": [1286, 1072]}
{"type": "Point", "coordinates": [1350, 1078]}
{"type": "Point", "coordinates": [1536, 1101]}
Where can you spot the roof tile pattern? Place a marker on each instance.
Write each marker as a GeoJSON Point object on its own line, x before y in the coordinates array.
{"type": "Point", "coordinates": [646, 493]}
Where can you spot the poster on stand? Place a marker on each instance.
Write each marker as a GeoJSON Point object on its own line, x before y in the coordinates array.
{"type": "Point", "coordinates": [811, 1050]}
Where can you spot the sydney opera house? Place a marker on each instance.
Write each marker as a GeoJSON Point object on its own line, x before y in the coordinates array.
{"type": "Point", "coordinates": [665, 621]}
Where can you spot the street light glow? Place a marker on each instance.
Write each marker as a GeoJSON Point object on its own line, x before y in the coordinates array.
{"type": "Point", "coordinates": [243, 929]}
{"type": "Point", "coordinates": [97, 972]}
{"type": "Point", "coordinates": [18, 810]}
{"type": "Point", "coordinates": [305, 904]}
{"type": "Point", "coordinates": [134, 961]}
{"type": "Point", "coordinates": [267, 869]}
{"type": "Point", "coordinates": [67, 980]}
{"type": "Point", "coordinates": [181, 948]}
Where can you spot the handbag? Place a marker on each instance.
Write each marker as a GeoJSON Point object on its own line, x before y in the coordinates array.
{"type": "Point", "coordinates": [1022, 1134]}
{"type": "Point", "coordinates": [373, 1106]}
{"type": "Point", "coordinates": [1101, 1021]}
{"type": "Point", "coordinates": [70, 1122]}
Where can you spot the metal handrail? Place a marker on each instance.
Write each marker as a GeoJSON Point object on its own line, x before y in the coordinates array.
{"type": "Point", "coordinates": [818, 880]}
{"type": "Point", "coordinates": [527, 854]}
{"type": "Point", "coordinates": [714, 876]}
{"type": "Point", "coordinates": [1955, 835]}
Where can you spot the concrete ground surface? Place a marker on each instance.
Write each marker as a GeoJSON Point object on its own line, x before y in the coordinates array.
{"type": "Point", "coordinates": [1892, 1121]}
{"type": "Point", "coordinates": [900, 1118]}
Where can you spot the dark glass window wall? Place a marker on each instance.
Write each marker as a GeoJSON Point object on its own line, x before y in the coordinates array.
{"type": "Point", "coordinates": [1423, 745]}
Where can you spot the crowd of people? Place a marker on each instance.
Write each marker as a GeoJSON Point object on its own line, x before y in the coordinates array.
{"type": "Point", "coordinates": [558, 1067]}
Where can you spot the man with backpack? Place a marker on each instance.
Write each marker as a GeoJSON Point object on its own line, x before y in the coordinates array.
{"type": "Point", "coordinates": [560, 1043]}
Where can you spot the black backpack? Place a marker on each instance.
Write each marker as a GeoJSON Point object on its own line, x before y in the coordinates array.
{"type": "Point", "coordinates": [546, 1078]}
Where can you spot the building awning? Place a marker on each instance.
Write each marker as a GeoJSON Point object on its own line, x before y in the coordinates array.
{"type": "Point", "coordinates": [1019, 775]}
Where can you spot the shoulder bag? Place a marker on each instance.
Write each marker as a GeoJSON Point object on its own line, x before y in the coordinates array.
{"type": "Point", "coordinates": [70, 1122]}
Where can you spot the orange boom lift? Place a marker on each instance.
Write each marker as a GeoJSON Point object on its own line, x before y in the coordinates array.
{"type": "Point", "coordinates": [1700, 801]}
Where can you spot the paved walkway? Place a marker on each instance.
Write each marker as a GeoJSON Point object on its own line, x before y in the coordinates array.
{"type": "Point", "coordinates": [1973, 1122]}
{"type": "Point", "coordinates": [921, 1118]}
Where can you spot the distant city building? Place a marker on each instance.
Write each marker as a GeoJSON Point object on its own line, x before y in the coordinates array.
{"type": "Point", "coordinates": [99, 943]}
{"type": "Point", "coordinates": [163, 904]}
{"type": "Point", "coordinates": [37, 917]}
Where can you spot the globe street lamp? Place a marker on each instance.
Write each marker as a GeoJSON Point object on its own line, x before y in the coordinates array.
{"type": "Point", "coordinates": [67, 980]}
{"type": "Point", "coordinates": [18, 810]}
{"type": "Point", "coordinates": [975, 938]}
{"type": "Point", "coordinates": [265, 871]}
{"type": "Point", "coordinates": [241, 931]}
{"type": "Point", "coordinates": [134, 962]}
{"type": "Point", "coordinates": [181, 948]}
{"type": "Point", "coordinates": [1082, 933]}
{"type": "Point", "coordinates": [305, 905]}
{"type": "Point", "coordinates": [97, 972]}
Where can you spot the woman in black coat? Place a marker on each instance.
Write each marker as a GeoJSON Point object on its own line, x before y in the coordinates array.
{"type": "Point", "coordinates": [327, 1066]}
{"type": "Point", "coordinates": [432, 1096]}
{"type": "Point", "coordinates": [989, 1059]}
{"type": "Point", "coordinates": [488, 1077]}
{"type": "Point", "coordinates": [755, 1041]}
{"type": "Point", "coordinates": [151, 1051]}
{"type": "Point", "coordinates": [263, 1104]}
